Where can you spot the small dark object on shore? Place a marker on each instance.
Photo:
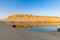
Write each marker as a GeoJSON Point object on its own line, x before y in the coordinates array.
{"type": "Point", "coordinates": [14, 26]}
{"type": "Point", "coordinates": [58, 30]}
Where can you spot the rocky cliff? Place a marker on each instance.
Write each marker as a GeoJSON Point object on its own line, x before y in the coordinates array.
{"type": "Point", "coordinates": [25, 17]}
{"type": "Point", "coordinates": [24, 20]}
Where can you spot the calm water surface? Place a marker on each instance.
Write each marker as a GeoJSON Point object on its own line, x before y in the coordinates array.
{"type": "Point", "coordinates": [45, 29]}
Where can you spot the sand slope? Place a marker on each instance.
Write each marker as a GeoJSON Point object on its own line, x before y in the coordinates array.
{"type": "Point", "coordinates": [30, 35]}
{"type": "Point", "coordinates": [9, 33]}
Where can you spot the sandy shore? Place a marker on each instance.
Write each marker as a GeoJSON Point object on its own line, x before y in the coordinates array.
{"type": "Point", "coordinates": [9, 33]}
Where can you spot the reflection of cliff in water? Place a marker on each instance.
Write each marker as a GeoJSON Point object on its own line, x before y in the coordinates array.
{"type": "Point", "coordinates": [32, 24]}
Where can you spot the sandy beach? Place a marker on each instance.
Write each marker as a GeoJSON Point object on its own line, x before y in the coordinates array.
{"type": "Point", "coordinates": [7, 32]}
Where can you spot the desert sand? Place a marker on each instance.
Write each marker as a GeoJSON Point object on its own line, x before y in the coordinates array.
{"type": "Point", "coordinates": [7, 32]}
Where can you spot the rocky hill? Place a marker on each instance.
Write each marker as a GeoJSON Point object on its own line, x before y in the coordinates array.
{"type": "Point", "coordinates": [25, 17]}
{"type": "Point", "coordinates": [24, 20]}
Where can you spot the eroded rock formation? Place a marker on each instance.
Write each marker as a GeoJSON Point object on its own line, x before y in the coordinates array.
{"type": "Point", "coordinates": [24, 20]}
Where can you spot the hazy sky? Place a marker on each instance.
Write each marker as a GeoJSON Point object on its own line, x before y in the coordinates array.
{"type": "Point", "coordinates": [35, 7]}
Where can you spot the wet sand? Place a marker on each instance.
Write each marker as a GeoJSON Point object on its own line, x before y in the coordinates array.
{"type": "Point", "coordinates": [7, 32]}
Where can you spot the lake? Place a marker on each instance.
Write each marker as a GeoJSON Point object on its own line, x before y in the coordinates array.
{"type": "Point", "coordinates": [44, 29]}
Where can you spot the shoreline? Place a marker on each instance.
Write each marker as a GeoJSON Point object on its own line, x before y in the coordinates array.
{"type": "Point", "coordinates": [7, 32]}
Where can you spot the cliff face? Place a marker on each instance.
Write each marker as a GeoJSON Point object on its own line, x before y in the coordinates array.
{"type": "Point", "coordinates": [25, 21]}
{"type": "Point", "coordinates": [25, 17]}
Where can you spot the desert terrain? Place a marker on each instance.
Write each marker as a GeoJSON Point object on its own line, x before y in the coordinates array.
{"type": "Point", "coordinates": [7, 32]}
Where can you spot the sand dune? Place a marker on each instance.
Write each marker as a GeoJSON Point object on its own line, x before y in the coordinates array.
{"type": "Point", "coordinates": [9, 33]}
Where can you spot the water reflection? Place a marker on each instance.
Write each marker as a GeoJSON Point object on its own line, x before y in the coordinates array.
{"type": "Point", "coordinates": [45, 29]}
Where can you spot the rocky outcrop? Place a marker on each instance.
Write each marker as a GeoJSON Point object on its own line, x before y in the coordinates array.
{"type": "Point", "coordinates": [24, 20]}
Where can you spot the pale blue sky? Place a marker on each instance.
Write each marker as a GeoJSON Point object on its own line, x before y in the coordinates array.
{"type": "Point", "coordinates": [34, 7]}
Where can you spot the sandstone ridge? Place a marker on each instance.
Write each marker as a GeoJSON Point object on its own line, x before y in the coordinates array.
{"type": "Point", "coordinates": [25, 21]}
